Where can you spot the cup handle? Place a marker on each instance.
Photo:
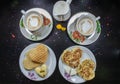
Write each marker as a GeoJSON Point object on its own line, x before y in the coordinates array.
{"type": "Point", "coordinates": [69, 1]}
{"type": "Point", "coordinates": [23, 12]}
{"type": "Point", "coordinates": [98, 18]}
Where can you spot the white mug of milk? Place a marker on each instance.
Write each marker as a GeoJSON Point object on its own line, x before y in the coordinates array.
{"type": "Point", "coordinates": [32, 20]}
{"type": "Point", "coordinates": [61, 10]}
{"type": "Point", "coordinates": [86, 24]}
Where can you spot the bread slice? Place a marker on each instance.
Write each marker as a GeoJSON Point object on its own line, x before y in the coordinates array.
{"type": "Point", "coordinates": [88, 62]}
{"type": "Point", "coordinates": [77, 53]}
{"type": "Point", "coordinates": [29, 64]}
{"type": "Point", "coordinates": [72, 57]}
{"type": "Point", "coordinates": [39, 54]}
{"type": "Point", "coordinates": [86, 73]}
{"type": "Point", "coordinates": [86, 69]}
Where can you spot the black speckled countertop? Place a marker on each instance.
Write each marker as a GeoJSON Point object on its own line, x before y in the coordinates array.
{"type": "Point", "coordinates": [106, 49]}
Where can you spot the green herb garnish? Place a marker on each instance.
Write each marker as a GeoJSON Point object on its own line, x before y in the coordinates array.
{"type": "Point", "coordinates": [33, 37]}
{"type": "Point", "coordinates": [78, 40]}
{"type": "Point", "coordinates": [98, 26]}
{"type": "Point", "coordinates": [50, 24]}
{"type": "Point", "coordinates": [21, 23]}
{"type": "Point", "coordinates": [70, 35]}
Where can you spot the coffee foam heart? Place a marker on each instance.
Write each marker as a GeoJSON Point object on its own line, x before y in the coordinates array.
{"type": "Point", "coordinates": [86, 26]}
{"type": "Point", "coordinates": [34, 22]}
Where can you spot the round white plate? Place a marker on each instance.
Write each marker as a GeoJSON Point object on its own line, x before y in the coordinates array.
{"type": "Point", "coordinates": [47, 30]}
{"type": "Point", "coordinates": [51, 63]}
{"type": "Point", "coordinates": [72, 27]}
{"type": "Point", "coordinates": [87, 54]}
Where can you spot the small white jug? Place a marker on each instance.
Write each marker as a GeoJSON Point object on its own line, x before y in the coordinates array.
{"type": "Point", "coordinates": [61, 10]}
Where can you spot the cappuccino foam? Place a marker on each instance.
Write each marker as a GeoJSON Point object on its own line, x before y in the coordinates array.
{"type": "Point", "coordinates": [33, 22]}
{"type": "Point", "coordinates": [86, 26]}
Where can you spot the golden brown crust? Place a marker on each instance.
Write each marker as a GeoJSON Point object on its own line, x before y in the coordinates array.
{"type": "Point", "coordinates": [39, 54]}
{"type": "Point", "coordinates": [35, 57]}
{"type": "Point", "coordinates": [77, 52]}
{"type": "Point", "coordinates": [89, 63]}
{"type": "Point", "coordinates": [72, 58]}
{"type": "Point", "coordinates": [29, 64]}
{"type": "Point", "coordinates": [86, 72]}
{"type": "Point", "coordinates": [86, 69]}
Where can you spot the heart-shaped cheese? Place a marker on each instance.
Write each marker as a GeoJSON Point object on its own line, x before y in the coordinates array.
{"type": "Point", "coordinates": [41, 71]}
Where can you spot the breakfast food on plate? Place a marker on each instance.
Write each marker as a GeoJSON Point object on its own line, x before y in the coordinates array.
{"type": "Point", "coordinates": [36, 58]}
{"type": "Point", "coordinates": [39, 54]}
{"type": "Point", "coordinates": [77, 52]}
{"type": "Point", "coordinates": [41, 70]}
{"type": "Point", "coordinates": [86, 69]}
{"type": "Point", "coordinates": [89, 63]}
{"type": "Point", "coordinates": [76, 65]}
{"type": "Point", "coordinates": [29, 64]}
{"type": "Point", "coordinates": [86, 73]}
{"type": "Point", "coordinates": [72, 58]}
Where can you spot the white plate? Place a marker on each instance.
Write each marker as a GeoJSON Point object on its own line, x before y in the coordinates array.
{"type": "Point", "coordinates": [87, 54]}
{"type": "Point", "coordinates": [44, 33]}
{"type": "Point", "coordinates": [51, 63]}
{"type": "Point", "coordinates": [72, 27]}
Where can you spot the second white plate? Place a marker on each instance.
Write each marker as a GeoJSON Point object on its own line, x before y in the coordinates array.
{"type": "Point", "coordinates": [87, 54]}
{"type": "Point", "coordinates": [72, 25]}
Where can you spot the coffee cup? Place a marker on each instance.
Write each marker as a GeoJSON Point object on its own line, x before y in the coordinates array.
{"type": "Point", "coordinates": [86, 24]}
{"type": "Point", "coordinates": [32, 20]}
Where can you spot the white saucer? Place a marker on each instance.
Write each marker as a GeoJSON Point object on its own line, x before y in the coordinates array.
{"type": "Point", "coordinates": [87, 54]}
{"type": "Point", "coordinates": [71, 27]}
{"type": "Point", "coordinates": [31, 74]}
{"type": "Point", "coordinates": [47, 30]}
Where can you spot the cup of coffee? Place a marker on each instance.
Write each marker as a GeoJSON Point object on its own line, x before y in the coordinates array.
{"type": "Point", "coordinates": [32, 20]}
{"type": "Point", "coordinates": [86, 24]}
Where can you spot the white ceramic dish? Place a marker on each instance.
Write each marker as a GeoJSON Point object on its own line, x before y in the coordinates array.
{"type": "Point", "coordinates": [51, 63]}
{"type": "Point", "coordinates": [87, 54]}
{"type": "Point", "coordinates": [44, 33]}
{"type": "Point", "coordinates": [71, 27]}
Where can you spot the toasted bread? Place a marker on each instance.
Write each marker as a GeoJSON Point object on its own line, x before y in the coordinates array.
{"type": "Point", "coordinates": [72, 57]}
{"type": "Point", "coordinates": [86, 69]}
{"type": "Point", "coordinates": [39, 54]}
{"type": "Point", "coordinates": [86, 73]}
{"type": "Point", "coordinates": [29, 64]}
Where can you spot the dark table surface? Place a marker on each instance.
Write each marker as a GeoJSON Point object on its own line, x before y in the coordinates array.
{"type": "Point", "coordinates": [106, 49]}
